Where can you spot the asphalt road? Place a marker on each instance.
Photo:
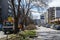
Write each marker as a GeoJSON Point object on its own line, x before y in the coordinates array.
{"type": "Point", "coordinates": [47, 34]}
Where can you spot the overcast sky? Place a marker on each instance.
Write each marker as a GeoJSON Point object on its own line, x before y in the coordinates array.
{"type": "Point", "coordinates": [54, 3]}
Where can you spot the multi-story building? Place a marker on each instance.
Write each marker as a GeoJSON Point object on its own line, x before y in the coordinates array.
{"type": "Point", "coordinates": [53, 14]}
{"type": "Point", "coordinates": [6, 8]}
{"type": "Point", "coordinates": [10, 11]}
{"type": "Point", "coordinates": [42, 19]}
{"type": "Point", "coordinates": [46, 17]}
{"type": "Point", "coordinates": [0, 12]}
{"type": "Point", "coordinates": [57, 14]}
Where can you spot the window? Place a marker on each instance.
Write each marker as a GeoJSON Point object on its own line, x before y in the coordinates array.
{"type": "Point", "coordinates": [0, 10]}
{"type": "Point", "coordinates": [42, 17]}
{"type": "Point", "coordinates": [9, 6]}
{"type": "Point", "coordinates": [9, 10]}
{"type": "Point", "coordinates": [57, 14]}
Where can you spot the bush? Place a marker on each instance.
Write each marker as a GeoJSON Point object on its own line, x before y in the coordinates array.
{"type": "Point", "coordinates": [30, 32]}
{"type": "Point", "coordinates": [23, 35]}
{"type": "Point", "coordinates": [31, 27]}
{"type": "Point", "coordinates": [27, 33]}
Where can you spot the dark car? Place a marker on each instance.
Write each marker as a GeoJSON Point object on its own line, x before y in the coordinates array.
{"type": "Point", "coordinates": [52, 26]}
{"type": "Point", "coordinates": [8, 27]}
{"type": "Point", "coordinates": [1, 27]}
{"type": "Point", "coordinates": [57, 27]}
{"type": "Point", "coordinates": [48, 25]}
{"type": "Point", "coordinates": [44, 25]}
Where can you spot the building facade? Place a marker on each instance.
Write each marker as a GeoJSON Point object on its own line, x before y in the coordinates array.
{"type": "Point", "coordinates": [53, 14]}
{"type": "Point", "coordinates": [46, 17]}
{"type": "Point", "coordinates": [4, 5]}
{"type": "Point", "coordinates": [57, 14]}
{"type": "Point", "coordinates": [42, 19]}
{"type": "Point", "coordinates": [1, 11]}
{"type": "Point", "coordinates": [6, 8]}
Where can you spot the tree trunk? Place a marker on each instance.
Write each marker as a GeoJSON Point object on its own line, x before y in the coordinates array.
{"type": "Point", "coordinates": [22, 26]}
{"type": "Point", "coordinates": [16, 25]}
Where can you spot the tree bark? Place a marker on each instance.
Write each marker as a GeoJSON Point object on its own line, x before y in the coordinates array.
{"type": "Point", "coordinates": [16, 25]}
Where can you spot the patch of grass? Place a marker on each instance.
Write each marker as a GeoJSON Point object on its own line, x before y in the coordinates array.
{"type": "Point", "coordinates": [28, 33]}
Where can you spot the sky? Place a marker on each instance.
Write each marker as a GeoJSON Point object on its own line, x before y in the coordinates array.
{"type": "Point", "coordinates": [54, 3]}
{"type": "Point", "coordinates": [35, 15]}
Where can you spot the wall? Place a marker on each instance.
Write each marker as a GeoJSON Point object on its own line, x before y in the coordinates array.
{"type": "Point", "coordinates": [46, 17]}
{"type": "Point", "coordinates": [42, 19]}
{"type": "Point", "coordinates": [57, 12]}
{"type": "Point", "coordinates": [4, 9]}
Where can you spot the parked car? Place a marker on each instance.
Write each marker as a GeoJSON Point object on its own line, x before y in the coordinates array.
{"type": "Point", "coordinates": [57, 27]}
{"type": "Point", "coordinates": [1, 27]}
{"type": "Point", "coordinates": [8, 27]}
{"type": "Point", "coordinates": [44, 25]}
{"type": "Point", "coordinates": [48, 25]}
{"type": "Point", "coordinates": [52, 26]}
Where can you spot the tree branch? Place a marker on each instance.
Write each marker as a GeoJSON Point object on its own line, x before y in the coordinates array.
{"type": "Point", "coordinates": [12, 1]}
{"type": "Point", "coordinates": [18, 14]}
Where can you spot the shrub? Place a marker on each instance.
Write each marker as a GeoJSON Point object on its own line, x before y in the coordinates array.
{"type": "Point", "coordinates": [31, 27]}
{"type": "Point", "coordinates": [27, 33]}
{"type": "Point", "coordinates": [30, 32]}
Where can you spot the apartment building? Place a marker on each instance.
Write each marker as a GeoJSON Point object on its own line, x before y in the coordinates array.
{"type": "Point", "coordinates": [53, 14]}
{"type": "Point", "coordinates": [0, 12]}
{"type": "Point", "coordinates": [4, 7]}
{"type": "Point", "coordinates": [57, 14]}
{"type": "Point", "coordinates": [42, 18]}
{"type": "Point", "coordinates": [46, 17]}
{"type": "Point", "coordinates": [6, 10]}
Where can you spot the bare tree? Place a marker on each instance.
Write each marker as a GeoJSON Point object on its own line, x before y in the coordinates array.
{"type": "Point", "coordinates": [27, 5]}
{"type": "Point", "coordinates": [16, 16]}
{"type": "Point", "coordinates": [23, 9]}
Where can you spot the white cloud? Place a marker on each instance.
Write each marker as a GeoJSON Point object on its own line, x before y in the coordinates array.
{"type": "Point", "coordinates": [55, 3]}
{"type": "Point", "coordinates": [36, 15]}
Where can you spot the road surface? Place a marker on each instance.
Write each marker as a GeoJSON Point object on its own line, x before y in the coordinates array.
{"type": "Point", "coordinates": [47, 34]}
